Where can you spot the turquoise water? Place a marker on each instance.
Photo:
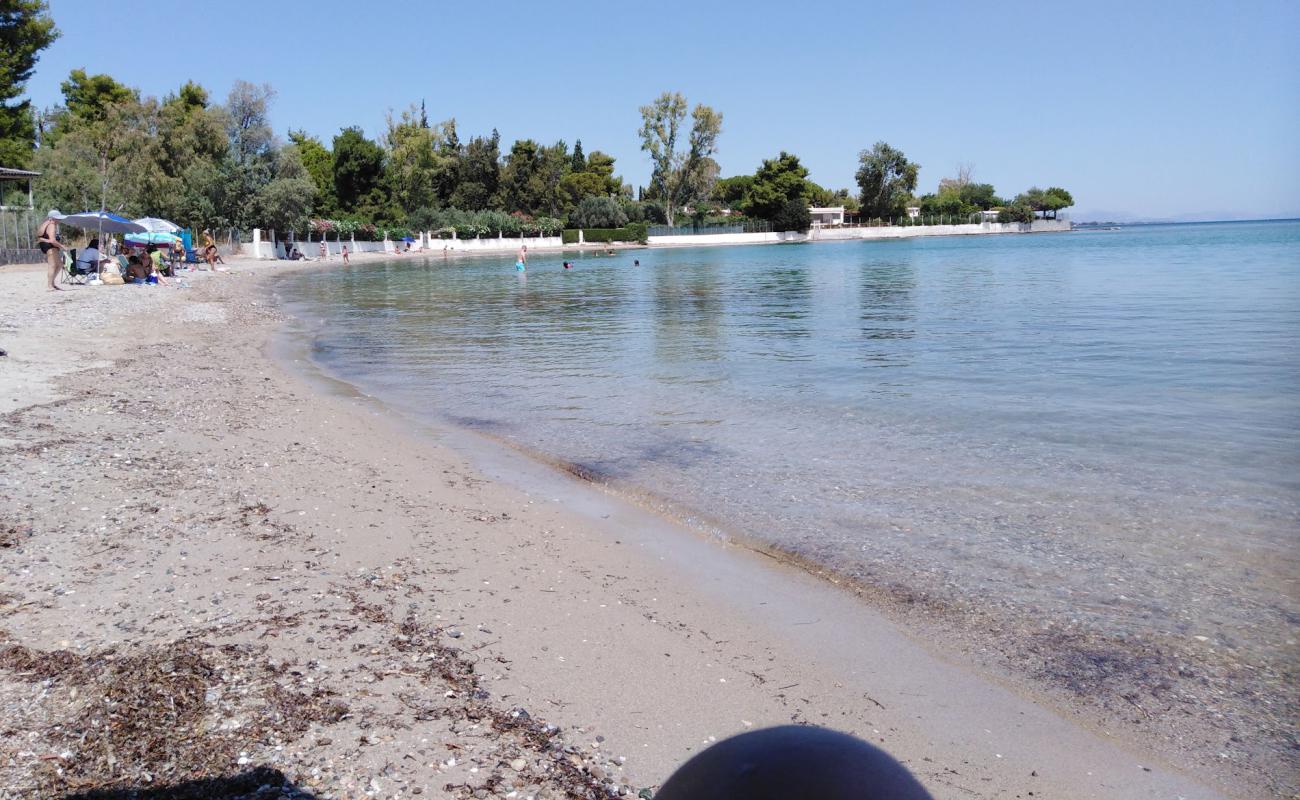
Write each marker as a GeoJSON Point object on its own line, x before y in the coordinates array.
{"type": "Point", "coordinates": [1093, 430]}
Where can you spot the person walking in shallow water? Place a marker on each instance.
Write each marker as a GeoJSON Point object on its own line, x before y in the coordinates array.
{"type": "Point", "coordinates": [521, 261]}
{"type": "Point", "coordinates": [48, 237]}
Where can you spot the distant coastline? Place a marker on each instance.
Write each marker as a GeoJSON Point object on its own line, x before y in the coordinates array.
{"type": "Point", "coordinates": [1133, 223]}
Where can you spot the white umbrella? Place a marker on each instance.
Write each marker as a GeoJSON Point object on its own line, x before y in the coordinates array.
{"type": "Point", "coordinates": [156, 225]}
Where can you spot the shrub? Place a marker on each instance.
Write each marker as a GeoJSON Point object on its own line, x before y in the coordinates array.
{"type": "Point", "coordinates": [793, 216]}
{"type": "Point", "coordinates": [1016, 212]}
{"type": "Point", "coordinates": [598, 212]}
{"type": "Point", "coordinates": [634, 232]}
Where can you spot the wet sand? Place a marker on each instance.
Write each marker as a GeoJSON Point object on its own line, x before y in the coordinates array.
{"type": "Point", "coordinates": [216, 561]}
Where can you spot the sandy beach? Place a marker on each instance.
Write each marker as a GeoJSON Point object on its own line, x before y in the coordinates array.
{"type": "Point", "coordinates": [221, 566]}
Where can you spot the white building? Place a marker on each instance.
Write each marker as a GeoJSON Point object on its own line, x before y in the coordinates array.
{"type": "Point", "coordinates": [913, 212]}
{"type": "Point", "coordinates": [827, 217]}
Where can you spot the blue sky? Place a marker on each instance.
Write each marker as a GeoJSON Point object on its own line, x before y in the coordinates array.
{"type": "Point", "coordinates": [1141, 109]}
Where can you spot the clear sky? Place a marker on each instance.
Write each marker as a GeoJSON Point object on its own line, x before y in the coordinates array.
{"type": "Point", "coordinates": [1141, 109]}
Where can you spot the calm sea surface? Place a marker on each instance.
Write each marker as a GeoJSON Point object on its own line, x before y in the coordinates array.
{"type": "Point", "coordinates": [1096, 429]}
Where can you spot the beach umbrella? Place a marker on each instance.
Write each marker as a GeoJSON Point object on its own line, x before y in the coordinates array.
{"type": "Point", "coordinates": [156, 225]}
{"type": "Point", "coordinates": [151, 237]}
{"type": "Point", "coordinates": [101, 221]}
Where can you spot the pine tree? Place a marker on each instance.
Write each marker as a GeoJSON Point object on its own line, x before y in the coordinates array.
{"type": "Point", "coordinates": [25, 30]}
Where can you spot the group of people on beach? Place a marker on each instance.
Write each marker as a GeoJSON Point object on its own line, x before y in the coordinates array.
{"type": "Point", "coordinates": [147, 266]}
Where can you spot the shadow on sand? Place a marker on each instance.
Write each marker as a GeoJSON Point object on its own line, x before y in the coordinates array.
{"type": "Point", "coordinates": [262, 783]}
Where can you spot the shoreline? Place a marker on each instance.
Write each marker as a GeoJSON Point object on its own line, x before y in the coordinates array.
{"type": "Point", "coordinates": [630, 628]}
{"type": "Point", "coordinates": [1105, 682]}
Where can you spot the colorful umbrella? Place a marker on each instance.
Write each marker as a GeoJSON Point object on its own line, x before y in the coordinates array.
{"type": "Point", "coordinates": [153, 237]}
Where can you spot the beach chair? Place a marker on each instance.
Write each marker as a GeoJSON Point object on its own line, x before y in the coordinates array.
{"type": "Point", "coordinates": [74, 273]}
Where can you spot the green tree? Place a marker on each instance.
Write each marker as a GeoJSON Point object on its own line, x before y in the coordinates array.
{"type": "Point", "coordinates": [319, 163]}
{"type": "Point", "coordinates": [89, 97]}
{"type": "Point", "coordinates": [777, 182]}
{"type": "Point", "coordinates": [285, 203]}
{"type": "Point", "coordinates": [886, 180]}
{"type": "Point", "coordinates": [1055, 198]}
{"type": "Point", "coordinates": [414, 163]}
{"type": "Point", "coordinates": [1018, 211]}
{"type": "Point", "coordinates": [578, 186]}
{"type": "Point", "coordinates": [731, 192]}
{"type": "Point", "coordinates": [579, 161]}
{"type": "Point", "coordinates": [358, 169]}
{"type": "Point", "coordinates": [979, 195]}
{"type": "Point", "coordinates": [520, 178]}
{"type": "Point", "coordinates": [479, 173]}
{"type": "Point", "coordinates": [833, 197]}
{"type": "Point", "coordinates": [602, 165]}
{"type": "Point", "coordinates": [598, 212]}
{"type": "Point", "coordinates": [531, 178]}
{"type": "Point", "coordinates": [25, 30]}
{"type": "Point", "coordinates": [252, 142]}
{"type": "Point", "coordinates": [681, 175]}
{"type": "Point", "coordinates": [555, 161]}
{"type": "Point", "coordinates": [793, 216]}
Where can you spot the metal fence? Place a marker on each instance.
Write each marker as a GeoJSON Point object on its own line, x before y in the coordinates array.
{"type": "Point", "coordinates": [750, 226]}
{"type": "Point", "coordinates": [18, 237]}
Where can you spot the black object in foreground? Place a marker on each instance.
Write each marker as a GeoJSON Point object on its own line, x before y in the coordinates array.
{"type": "Point", "coordinates": [791, 762]}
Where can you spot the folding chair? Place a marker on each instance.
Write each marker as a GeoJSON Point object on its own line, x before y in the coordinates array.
{"type": "Point", "coordinates": [74, 273]}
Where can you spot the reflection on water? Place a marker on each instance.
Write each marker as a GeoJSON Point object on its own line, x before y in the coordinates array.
{"type": "Point", "coordinates": [1092, 428]}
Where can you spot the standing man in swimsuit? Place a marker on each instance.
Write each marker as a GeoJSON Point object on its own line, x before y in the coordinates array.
{"type": "Point", "coordinates": [521, 261]}
{"type": "Point", "coordinates": [51, 247]}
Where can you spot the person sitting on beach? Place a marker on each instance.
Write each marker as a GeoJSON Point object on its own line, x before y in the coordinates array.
{"type": "Point", "coordinates": [136, 271]}
{"type": "Point", "coordinates": [294, 255]}
{"type": "Point", "coordinates": [89, 259]}
{"type": "Point", "coordinates": [156, 260]}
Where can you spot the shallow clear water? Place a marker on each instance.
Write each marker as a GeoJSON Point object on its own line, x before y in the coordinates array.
{"type": "Point", "coordinates": [1096, 428]}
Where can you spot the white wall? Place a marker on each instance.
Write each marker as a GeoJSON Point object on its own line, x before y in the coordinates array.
{"type": "Point", "coordinates": [883, 232]}
{"type": "Point", "coordinates": [311, 249]}
{"type": "Point", "coordinates": [491, 244]}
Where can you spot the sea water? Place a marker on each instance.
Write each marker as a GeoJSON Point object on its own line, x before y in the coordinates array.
{"type": "Point", "coordinates": [1098, 430]}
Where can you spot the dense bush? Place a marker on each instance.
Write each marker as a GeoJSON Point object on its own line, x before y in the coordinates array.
{"type": "Point", "coordinates": [442, 222]}
{"type": "Point", "coordinates": [633, 232]}
{"type": "Point", "coordinates": [598, 212]}
{"type": "Point", "coordinates": [1016, 212]}
{"type": "Point", "coordinates": [793, 216]}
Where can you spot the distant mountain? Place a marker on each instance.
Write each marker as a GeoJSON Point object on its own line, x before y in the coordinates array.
{"type": "Point", "coordinates": [1095, 215]}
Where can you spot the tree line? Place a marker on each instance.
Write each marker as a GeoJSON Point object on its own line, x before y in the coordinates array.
{"type": "Point", "coordinates": [200, 162]}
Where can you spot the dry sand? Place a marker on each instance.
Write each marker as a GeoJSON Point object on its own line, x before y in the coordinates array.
{"type": "Point", "coordinates": [222, 568]}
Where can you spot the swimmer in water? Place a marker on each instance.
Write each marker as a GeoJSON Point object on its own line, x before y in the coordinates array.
{"type": "Point", "coordinates": [566, 265]}
{"type": "Point", "coordinates": [636, 262]}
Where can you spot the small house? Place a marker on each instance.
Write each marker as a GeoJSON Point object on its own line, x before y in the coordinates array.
{"type": "Point", "coordinates": [826, 217]}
